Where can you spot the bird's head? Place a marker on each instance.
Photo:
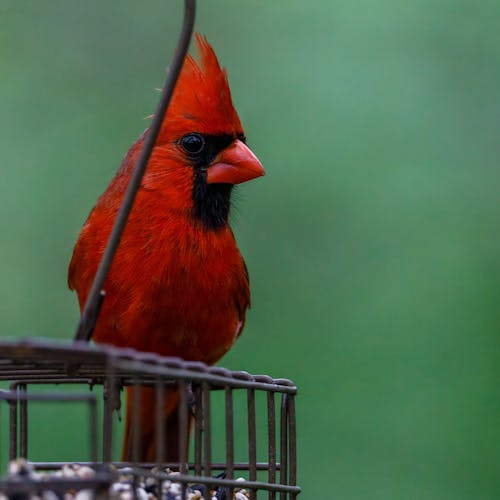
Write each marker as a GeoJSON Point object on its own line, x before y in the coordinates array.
{"type": "Point", "coordinates": [201, 151]}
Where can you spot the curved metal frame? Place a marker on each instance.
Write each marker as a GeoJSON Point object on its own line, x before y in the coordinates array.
{"type": "Point", "coordinates": [96, 295]}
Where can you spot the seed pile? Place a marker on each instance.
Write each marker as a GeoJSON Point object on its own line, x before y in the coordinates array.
{"type": "Point", "coordinates": [122, 487]}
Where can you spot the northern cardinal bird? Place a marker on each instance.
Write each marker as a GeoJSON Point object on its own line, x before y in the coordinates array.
{"type": "Point", "coordinates": [178, 285]}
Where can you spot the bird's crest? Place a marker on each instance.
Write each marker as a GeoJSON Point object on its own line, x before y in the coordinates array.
{"type": "Point", "coordinates": [202, 100]}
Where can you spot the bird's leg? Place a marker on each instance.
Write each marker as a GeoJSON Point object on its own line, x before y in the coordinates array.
{"type": "Point", "coordinates": [191, 399]}
{"type": "Point", "coordinates": [112, 396]}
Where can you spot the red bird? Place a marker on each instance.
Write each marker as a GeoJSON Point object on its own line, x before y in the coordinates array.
{"type": "Point", "coordinates": [178, 285]}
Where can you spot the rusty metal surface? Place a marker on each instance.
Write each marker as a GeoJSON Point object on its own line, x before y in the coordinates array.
{"type": "Point", "coordinates": [45, 366]}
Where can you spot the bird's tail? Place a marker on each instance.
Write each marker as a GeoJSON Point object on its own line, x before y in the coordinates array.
{"type": "Point", "coordinates": [148, 429]}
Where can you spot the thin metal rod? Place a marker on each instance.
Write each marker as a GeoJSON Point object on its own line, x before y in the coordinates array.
{"type": "Point", "coordinates": [183, 432]}
{"type": "Point", "coordinates": [252, 440]}
{"type": "Point", "coordinates": [65, 484]}
{"type": "Point", "coordinates": [293, 443]}
{"type": "Point", "coordinates": [160, 428]}
{"type": "Point", "coordinates": [24, 422]}
{"type": "Point", "coordinates": [136, 422]}
{"type": "Point", "coordinates": [229, 438]}
{"type": "Point", "coordinates": [207, 434]}
{"type": "Point", "coordinates": [183, 427]}
{"type": "Point", "coordinates": [161, 441]}
{"type": "Point", "coordinates": [93, 429]}
{"type": "Point", "coordinates": [198, 430]}
{"type": "Point", "coordinates": [271, 440]}
{"type": "Point", "coordinates": [15, 488]}
{"type": "Point", "coordinates": [92, 305]}
{"type": "Point", "coordinates": [13, 430]}
{"type": "Point", "coordinates": [214, 466]}
{"type": "Point", "coordinates": [229, 433]}
{"type": "Point", "coordinates": [110, 397]}
{"type": "Point", "coordinates": [284, 444]}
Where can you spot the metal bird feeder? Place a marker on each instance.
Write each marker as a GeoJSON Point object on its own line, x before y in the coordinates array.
{"type": "Point", "coordinates": [46, 366]}
{"type": "Point", "coordinates": [35, 371]}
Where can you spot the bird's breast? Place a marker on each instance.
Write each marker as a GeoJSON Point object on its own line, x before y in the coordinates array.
{"type": "Point", "coordinates": [179, 291]}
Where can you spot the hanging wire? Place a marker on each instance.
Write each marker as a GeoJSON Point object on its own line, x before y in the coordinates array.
{"type": "Point", "coordinates": [96, 295]}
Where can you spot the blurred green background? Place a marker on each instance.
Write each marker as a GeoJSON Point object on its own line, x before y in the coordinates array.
{"type": "Point", "coordinates": [373, 242]}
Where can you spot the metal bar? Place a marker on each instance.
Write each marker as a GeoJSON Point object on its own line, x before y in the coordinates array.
{"type": "Point", "coordinates": [160, 428]}
{"type": "Point", "coordinates": [93, 429]}
{"type": "Point", "coordinates": [20, 395]}
{"type": "Point", "coordinates": [11, 487]}
{"type": "Point", "coordinates": [23, 424]}
{"type": "Point", "coordinates": [91, 308]}
{"type": "Point", "coordinates": [48, 398]}
{"type": "Point", "coordinates": [126, 360]}
{"type": "Point", "coordinates": [252, 440]}
{"type": "Point", "coordinates": [284, 443]}
{"type": "Point", "coordinates": [293, 442]}
{"type": "Point", "coordinates": [13, 441]}
{"type": "Point", "coordinates": [62, 484]}
{"type": "Point", "coordinates": [166, 443]}
{"type": "Point", "coordinates": [136, 433]}
{"type": "Point", "coordinates": [240, 466]}
{"type": "Point", "coordinates": [229, 433]}
{"type": "Point", "coordinates": [136, 422]}
{"type": "Point", "coordinates": [109, 397]}
{"type": "Point", "coordinates": [207, 434]}
{"type": "Point", "coordinates": [161, 444]}
{"type": "Point", "coordinates": [198, 430]}
{"type": "Point", "coordinates": [58, 381]}
{"type": "Point", "coordinates": [257, 485]}
{"type": "Point", "coordinates": [183, 427]}
{"type": "Point", "coordinates": [229, 438]}
{"type": "Point", "coordinates": [91, 312]}
{"type": "Point", "coordinates": [216, 381]}
{"type": "Point", "coordinates": [149, 374]}
{"type": "Point", "coordinates": [271, 440]}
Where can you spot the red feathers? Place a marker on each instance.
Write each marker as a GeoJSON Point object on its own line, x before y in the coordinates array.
{"type": "Point", "coordinates": [202, 99]}
{"type": "Point", "coordinates": [178, 284]}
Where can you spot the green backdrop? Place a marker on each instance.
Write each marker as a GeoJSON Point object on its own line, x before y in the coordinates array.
{"type": "Point", "coordinates": [372, 242]}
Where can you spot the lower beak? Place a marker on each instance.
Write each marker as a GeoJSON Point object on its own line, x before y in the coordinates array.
{"type": "Point", "coordinates": [234, 165]}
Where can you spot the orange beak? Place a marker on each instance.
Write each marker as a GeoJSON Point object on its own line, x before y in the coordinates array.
{"type": "Point", "coordinates": [234, 165]}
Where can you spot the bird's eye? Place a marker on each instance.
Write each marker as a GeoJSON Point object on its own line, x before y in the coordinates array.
{"type": "Point", "coordinates": [193, 143]}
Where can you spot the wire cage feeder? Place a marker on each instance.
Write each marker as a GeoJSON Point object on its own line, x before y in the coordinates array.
{"type": "Point", "coordinates": [32, 371]}
{"type": "Point", "coordinates": [29, 364]}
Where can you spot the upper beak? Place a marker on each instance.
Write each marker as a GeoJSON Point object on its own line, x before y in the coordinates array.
{"type": "Point", "coordinates": [233, 165]}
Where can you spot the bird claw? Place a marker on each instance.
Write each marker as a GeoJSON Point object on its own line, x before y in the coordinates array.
{"type": "Point", "coordinates": [112, 397]}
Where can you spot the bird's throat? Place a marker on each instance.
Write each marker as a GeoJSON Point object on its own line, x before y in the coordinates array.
{"type": "Point", "coordinates": [211, 202]}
